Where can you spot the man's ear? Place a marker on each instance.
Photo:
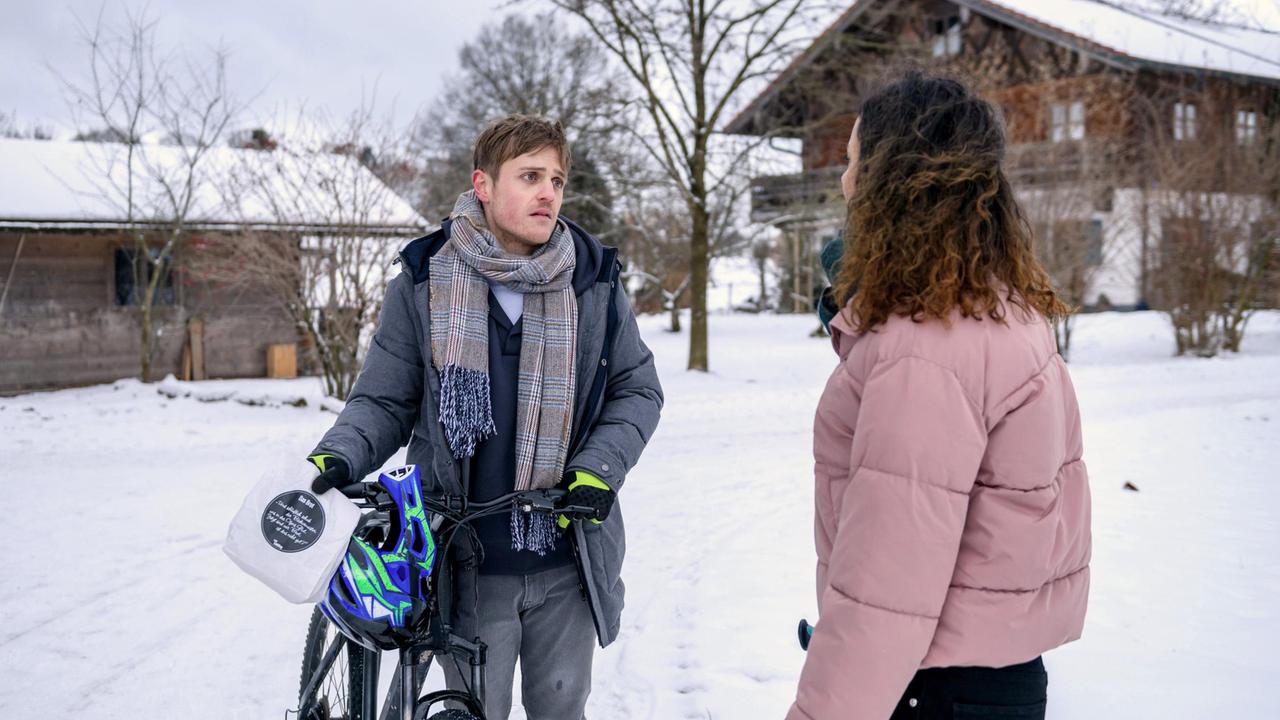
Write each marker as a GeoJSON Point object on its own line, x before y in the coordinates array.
{"type": "Point", "coordinates": [482, 184]}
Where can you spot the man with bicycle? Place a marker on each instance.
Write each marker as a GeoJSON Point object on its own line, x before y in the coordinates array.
{"type": "Point", "coordinates": [507, 358]}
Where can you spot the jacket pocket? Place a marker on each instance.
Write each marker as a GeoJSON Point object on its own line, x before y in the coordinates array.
{"type": "Point", "coordinates": [607, 544]}
{"type": "Point", "coordinates": [967, 711]}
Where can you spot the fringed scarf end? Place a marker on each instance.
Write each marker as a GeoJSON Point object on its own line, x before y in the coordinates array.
{"type": "Point", "coordinates": [535, 532]}
{"type": "Point", "coordinates": [465, 411]}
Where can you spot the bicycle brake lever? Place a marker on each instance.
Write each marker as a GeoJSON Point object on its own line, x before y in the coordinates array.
{"type": "Point", "coordinates": [577, 512]}
{"type": "Point", "coordinates": [530, 502]}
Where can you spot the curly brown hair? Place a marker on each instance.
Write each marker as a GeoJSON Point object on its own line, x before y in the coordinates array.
{"type": "Point", "coordinates": [932, 224]}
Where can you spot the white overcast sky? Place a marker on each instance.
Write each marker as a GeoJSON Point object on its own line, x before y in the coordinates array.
{"type": "Point", "coordinates": [323, 52]}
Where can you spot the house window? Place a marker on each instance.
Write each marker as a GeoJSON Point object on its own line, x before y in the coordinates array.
{"type": "Point", "coordinates": [133, 274]}
{"type": "Point", "coordinates": [947, 40]}
{"type": "Point", "coordinates": [1246, 126]}
{"type": "Point", "coordinates": [1184, 121]}
{"type": "Point", "coordinates": [1066, 121]}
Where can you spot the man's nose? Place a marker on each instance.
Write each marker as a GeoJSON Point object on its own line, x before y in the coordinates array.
{"type": "Point", "coordinates": [546, 191]}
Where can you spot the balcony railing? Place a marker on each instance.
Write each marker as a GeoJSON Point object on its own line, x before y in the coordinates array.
{"type": "Point", "coordinates": [1074, 161]}
{"type": "Point", "coordinates": [807, 195]}
{"type": "Point", "coordinates": [815, 194]}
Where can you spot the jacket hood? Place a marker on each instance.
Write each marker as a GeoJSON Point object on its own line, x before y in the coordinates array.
{"type": "Point", "coordinates": [589, 252]}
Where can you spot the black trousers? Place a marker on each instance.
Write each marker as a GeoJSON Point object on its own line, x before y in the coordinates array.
{"type": "Point", "coordinates": [1017, 692]}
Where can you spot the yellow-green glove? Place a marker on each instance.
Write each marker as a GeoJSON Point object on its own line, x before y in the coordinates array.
{"type": "Point", "coordinates": [590, 491]}
{"type": "Point", "coordinates": [334, 472]}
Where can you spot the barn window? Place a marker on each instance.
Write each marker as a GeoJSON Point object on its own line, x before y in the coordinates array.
{"type": "Point", "coordinates": [1246, 127]}
{"type": "Point", "coordinates": [1184, 121]}
{"type": "Point", "coordinates": [133, 274]}
{"type": "Point", "coordinates": [946, 37]}
{"type": "Point", "coordinates": [1066, 121]}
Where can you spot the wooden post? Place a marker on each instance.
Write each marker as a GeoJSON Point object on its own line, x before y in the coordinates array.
{"type": "Point", "coordinates": [186, 359]}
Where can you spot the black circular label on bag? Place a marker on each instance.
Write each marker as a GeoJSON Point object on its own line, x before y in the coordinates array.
{"type": "Point", "coordinates": [293, 521]}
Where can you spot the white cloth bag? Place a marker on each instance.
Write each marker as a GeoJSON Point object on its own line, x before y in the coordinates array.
{"type": "Point", "coordinates": [290, 538]}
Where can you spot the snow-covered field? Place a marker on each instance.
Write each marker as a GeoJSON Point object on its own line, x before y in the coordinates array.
{"type": "Point", "coordinates": [116, 600]}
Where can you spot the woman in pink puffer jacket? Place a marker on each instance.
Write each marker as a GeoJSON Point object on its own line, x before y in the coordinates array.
{"type": "Point", "coordinates": [952, 520]}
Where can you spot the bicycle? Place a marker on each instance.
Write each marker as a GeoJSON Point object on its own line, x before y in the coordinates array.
{"type": "Point", "coordinates": [339, 678]}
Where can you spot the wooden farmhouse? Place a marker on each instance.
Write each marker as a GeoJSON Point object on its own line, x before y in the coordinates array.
{"type": "Point", "coordinates": [70, 219]}
{"type": "Point", "coordinates": [1094, 95]}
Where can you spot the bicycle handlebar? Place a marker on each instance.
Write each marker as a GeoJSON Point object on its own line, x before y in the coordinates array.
{"type": "Point", "coordinates": [370, 494]}
{"type": "Point", "coordinates": [359, 490]}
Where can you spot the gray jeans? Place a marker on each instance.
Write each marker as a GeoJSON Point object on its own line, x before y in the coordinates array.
{"type": "Point", "coordinates": [540, 619]}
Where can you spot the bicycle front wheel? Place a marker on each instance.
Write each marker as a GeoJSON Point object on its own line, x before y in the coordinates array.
{"type": "Point", "coordinates": [342, 675]}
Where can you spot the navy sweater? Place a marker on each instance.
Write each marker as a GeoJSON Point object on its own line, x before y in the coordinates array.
{"type": "Point", "coordinates": [493, 465]}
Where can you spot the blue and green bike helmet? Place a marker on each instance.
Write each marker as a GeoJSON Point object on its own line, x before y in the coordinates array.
{"type": "Point", "coordinates": [378, 595]}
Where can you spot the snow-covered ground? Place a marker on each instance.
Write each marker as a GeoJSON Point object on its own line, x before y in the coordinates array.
{"type": "Point", "coordinates": [117, 601]}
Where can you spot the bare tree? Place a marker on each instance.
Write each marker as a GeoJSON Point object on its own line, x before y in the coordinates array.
{"type": "Point", "coordinates": [761, 253]}
{"type": "Point", "coordinates": [656, 238]}
{"type": "Point", "coordinates": [1072, 245]}
{"type": "Point", "coordinates": [320, 207]}
{"type": "Point", "coordinates": [515, 67]}
{"type": "Point", "coordinates": [691, 60]}
{"type": "Point", "coordinates": [1214, 166]}
{"type": "Point", "coordinates": [133, 91]}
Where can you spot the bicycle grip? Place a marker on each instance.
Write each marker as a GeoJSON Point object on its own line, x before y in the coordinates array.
{"type": "Point", "coordinates": [357, 490]}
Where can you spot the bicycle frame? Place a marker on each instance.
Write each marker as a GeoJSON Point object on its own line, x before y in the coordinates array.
{"type": "Point", "coordinates": [406, 682]}
{"type": "Point", "coordinates": [402, 700]}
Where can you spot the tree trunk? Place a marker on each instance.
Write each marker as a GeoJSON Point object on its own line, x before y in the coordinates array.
{"type": "Point", "coordinates": [1062, 334]}
{"type": "Point", "coordinates": [698, 271]}
{"type": "Point", "coordinates": [760, 299]}
{"type": "Point", "coordinates": [1236, 316]}
{"type": "Point", "coordinates": [148, 339]}
{"type": "Point", "coordinates": [148, 344]}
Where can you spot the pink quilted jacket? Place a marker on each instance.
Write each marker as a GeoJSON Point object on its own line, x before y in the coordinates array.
{"type": "Point", "coordinates": [952, 508]}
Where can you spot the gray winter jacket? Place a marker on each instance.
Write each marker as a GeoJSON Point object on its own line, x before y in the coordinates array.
{"type": "Point", "coordinates": [395, 399]}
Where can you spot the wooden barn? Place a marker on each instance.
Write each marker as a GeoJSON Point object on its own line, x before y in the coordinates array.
{"type": "Point", "coordinates": [70, 265]}
{"type": "Point", "coordinates": [1091, 93]}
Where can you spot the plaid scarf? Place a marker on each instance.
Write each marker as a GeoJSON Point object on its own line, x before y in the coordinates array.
{"type": "Point", "coordinates": [460, 351]}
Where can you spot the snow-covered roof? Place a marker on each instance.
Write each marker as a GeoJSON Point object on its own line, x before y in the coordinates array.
{"type": "Point", "coordinates": [69, 185]}
{"type": "Point", "coordinates": [1120, 36]}
{"type": "Point", "coordinates": [1131, 33]}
